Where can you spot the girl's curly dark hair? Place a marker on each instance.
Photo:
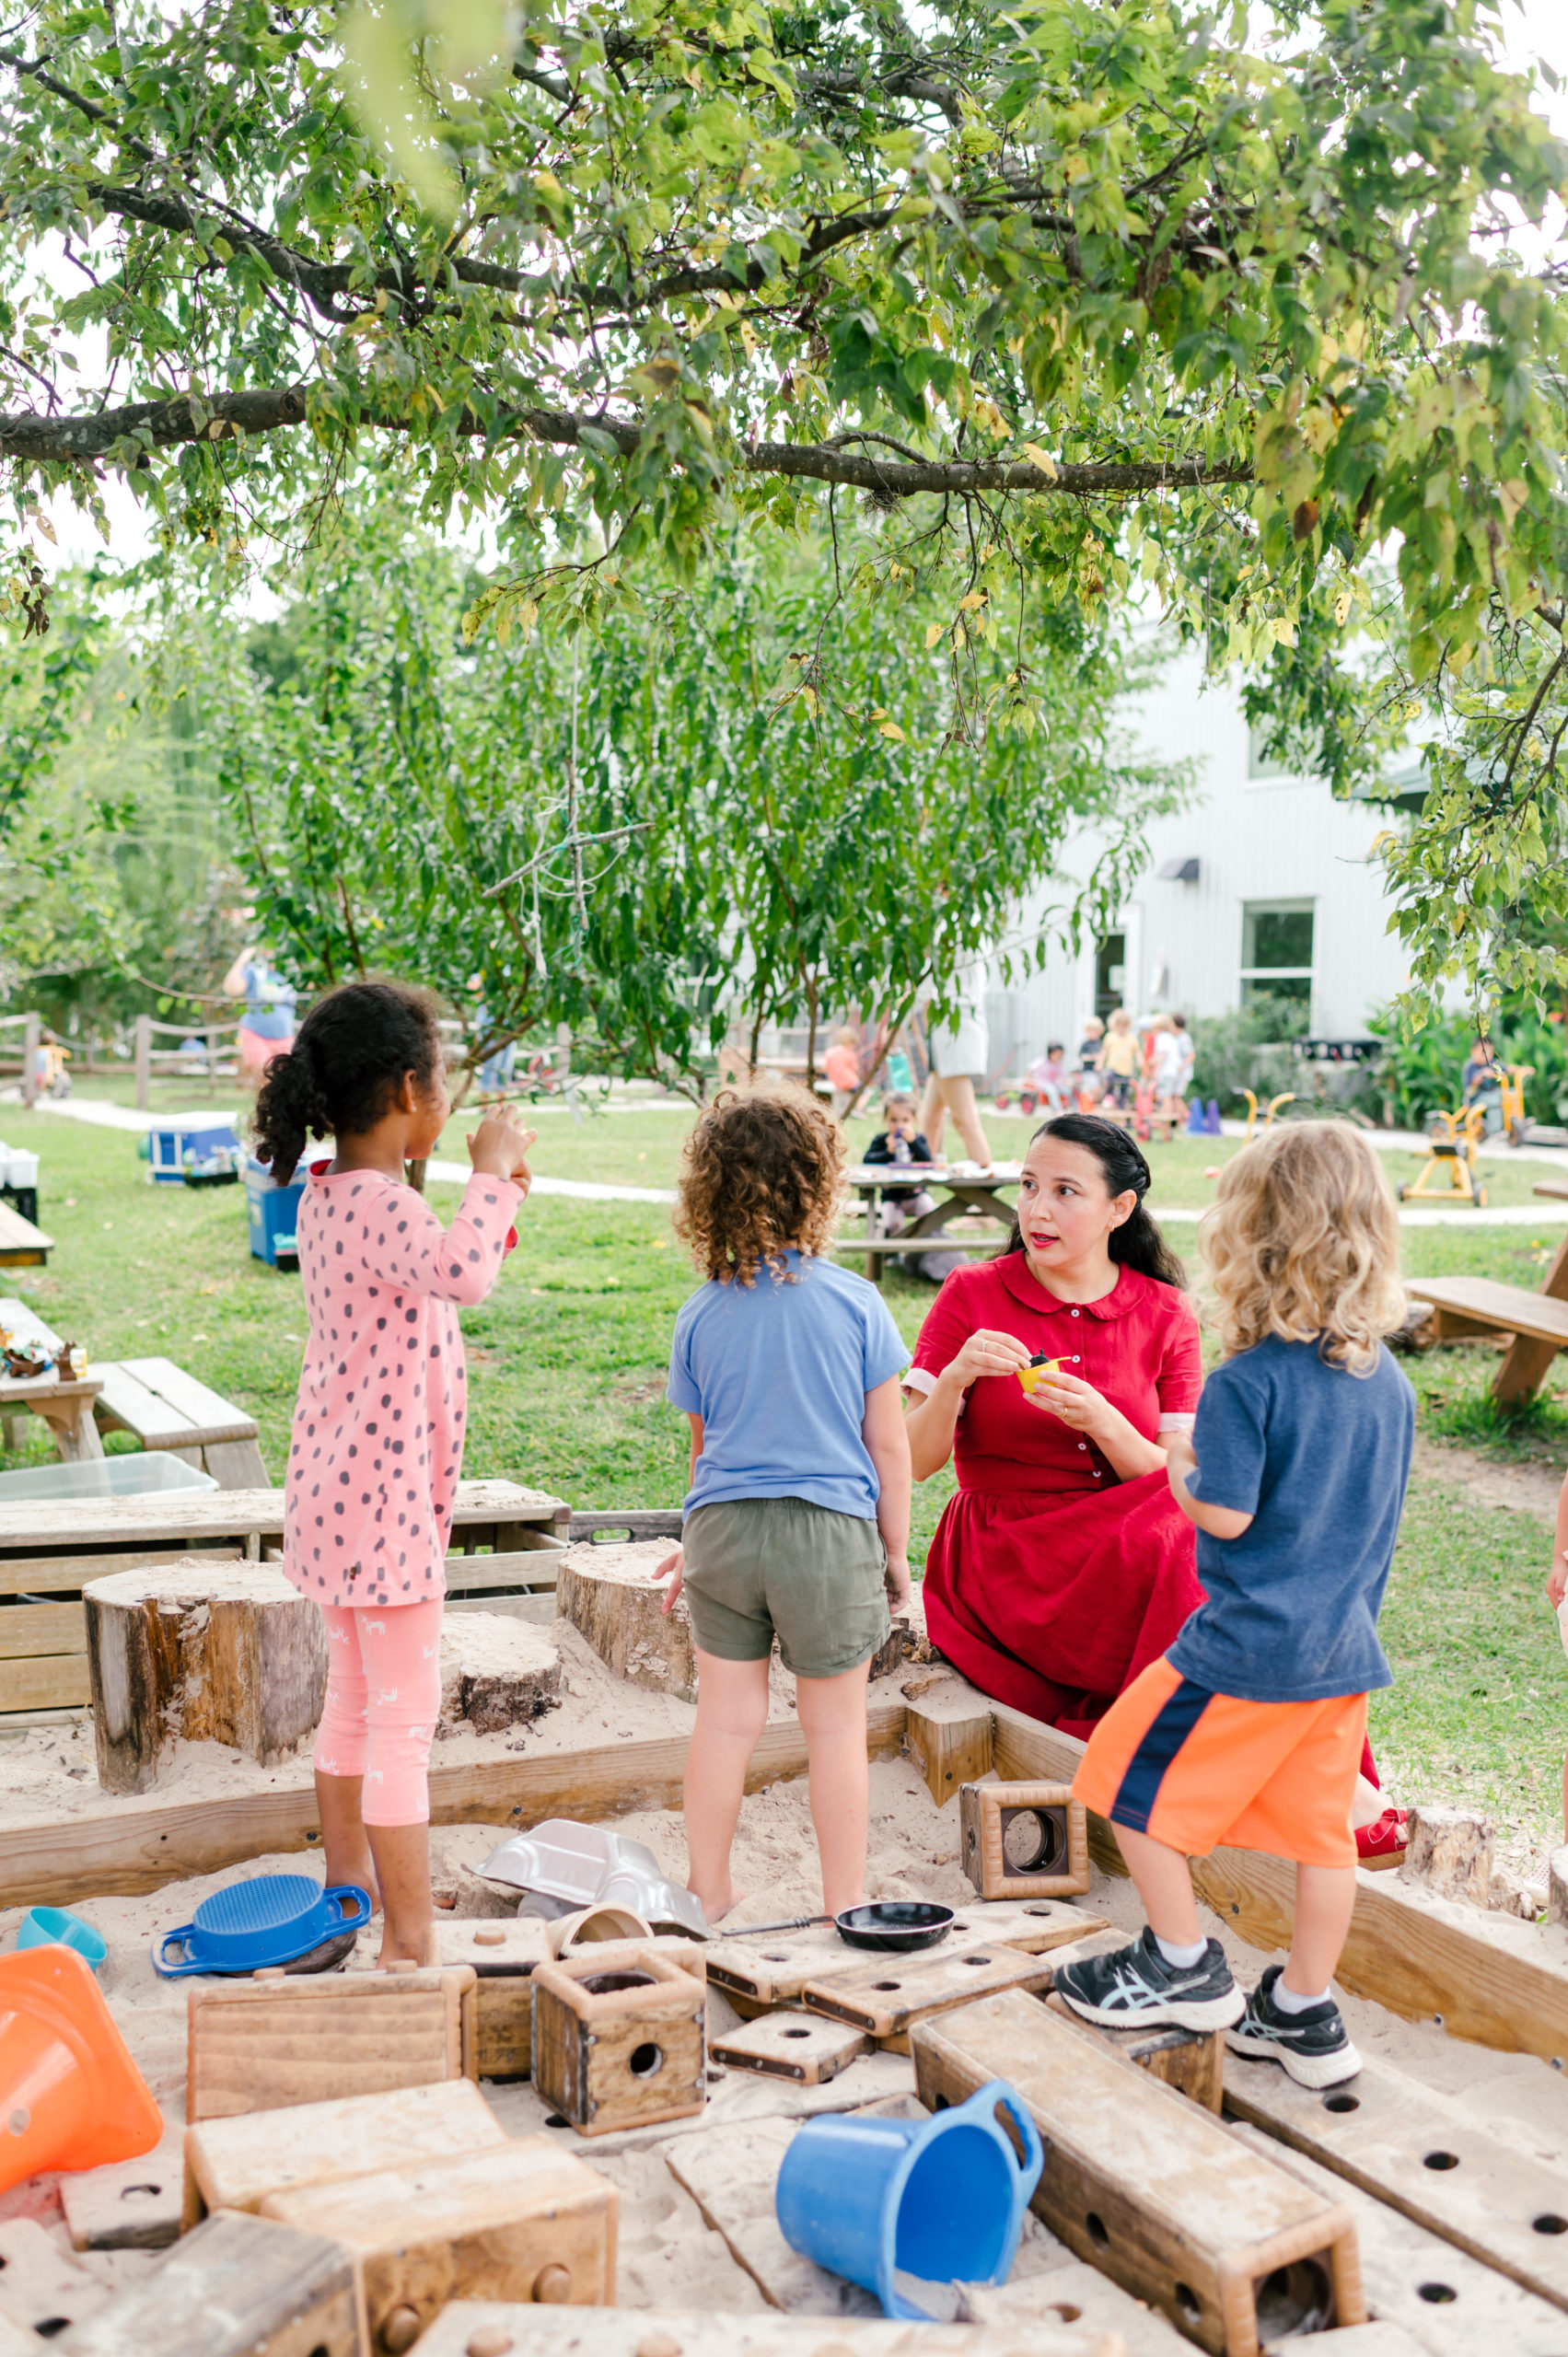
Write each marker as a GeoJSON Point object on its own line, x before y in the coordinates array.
{"type": "Point", "coordinates": [348, 1056]}
{"type": "Point", "coordinates": [762, 1174]}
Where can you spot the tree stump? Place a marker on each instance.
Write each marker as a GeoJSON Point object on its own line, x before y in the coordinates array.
{"type": "Point", "coordinates": [607, 1593]}
{"type": "Point", "coordinates": [496, 1672]}
{"type": "Point", "coordinates": [1452, 1852]}
{"type": "Point", "coordinates": [229, 1653]}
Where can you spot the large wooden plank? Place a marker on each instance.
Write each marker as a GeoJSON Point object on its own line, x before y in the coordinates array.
{"type": "Point", "coordinates": [66, 1574]}
{"type": "Point", "coordinates": [179, 1519]}
{"type": "Point", "coordinates": [127, 1404]}
{"type": "Point", "coordinates": [129, 1847]}
{"type": "Point", "coordinates": [41, 1628]}
{"type": "Point", "coordinates": [46, 1682]}
{"type": "Point", "coordinates": [1387, 2135]}
{"type": "Point", "coordinates": [1508, 1309]}
{"type": "Point", "coordinates": [20, 1236]}
{"type": "Point", "coordinates": [184, 1395]}
{"type": "Point", "coordinates": [1406, 1951]}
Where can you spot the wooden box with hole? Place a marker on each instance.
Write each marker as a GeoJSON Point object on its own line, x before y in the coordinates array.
{"type": "Point", "coordinates": [519, 2220]}
{"type": "Point", "coordinates": [1149, 2188]}
{"type": "Point", "coordinates": [1023, 1841]}
{"type": "Point", "coordinates": [792, 2046]}
{"type": "Point", "coordinates": [237, 2287]}
{"type": "Point", "coordinates": [622, 2042]}
{"type": "Point", "coordinates": [886, 1995]}
{"type": "Point", "coordinates": [504, 1954]}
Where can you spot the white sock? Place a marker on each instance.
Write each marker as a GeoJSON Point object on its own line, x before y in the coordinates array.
{"type": "Point", "coordinates": [1184, 1959]}
{"type": "Point", "coordinates": [1287, 2001]}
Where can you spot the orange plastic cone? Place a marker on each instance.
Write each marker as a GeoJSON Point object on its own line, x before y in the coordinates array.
{"type": "Point", "coordinates": [70, 2096]}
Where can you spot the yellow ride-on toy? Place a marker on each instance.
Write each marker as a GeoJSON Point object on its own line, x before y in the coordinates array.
{"type": "Point", "coordinates": [1447, 1175]}
{"type": "Point", "coordinates": [1274, 1106]}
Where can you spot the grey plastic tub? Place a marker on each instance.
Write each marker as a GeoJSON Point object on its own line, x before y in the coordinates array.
{"type": "Point", "coordinates": [139, 1475]}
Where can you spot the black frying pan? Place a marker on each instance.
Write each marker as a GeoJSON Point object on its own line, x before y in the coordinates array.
{"type": "Point", "coordinates": [895, 1925]}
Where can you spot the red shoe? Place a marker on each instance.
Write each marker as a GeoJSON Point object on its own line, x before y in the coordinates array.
{"type": "Point", "coordinates": [1382, 1846]}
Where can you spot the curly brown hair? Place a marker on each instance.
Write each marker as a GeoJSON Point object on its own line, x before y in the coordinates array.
{"type": "Point", "coordinates": [761, 1175]}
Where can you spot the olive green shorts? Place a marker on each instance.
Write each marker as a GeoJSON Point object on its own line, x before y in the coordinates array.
{"type": "Point", "coordinates": [761, 1567]}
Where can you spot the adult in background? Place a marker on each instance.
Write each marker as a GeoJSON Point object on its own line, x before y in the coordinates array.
{"type": "Point", "coordinates": [960, 1051]}
{"type": "Point", "coordinates": [266, 1027]}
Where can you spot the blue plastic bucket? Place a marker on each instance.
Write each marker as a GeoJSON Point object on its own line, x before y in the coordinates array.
{"type": "Point", "coordinates": [52, 1927]}
{"type": "Point", "coordinates": [275, 1919]}
{"type": "Point", "coordinates": [940, 2199]}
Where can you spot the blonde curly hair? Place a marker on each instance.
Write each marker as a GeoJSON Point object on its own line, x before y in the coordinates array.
{"type": "Point", "coordinates": [1302, 1241]}
{"type": "Point", "coordinates": [761, 1175]}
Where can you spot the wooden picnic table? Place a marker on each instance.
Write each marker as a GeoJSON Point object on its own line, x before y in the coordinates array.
{"type": "Point", "coordinates": [64, 1401]}
{"type": "Point", "coordinates": [961, 1192]}
{"type": "Point", "coordinates": [23, 1245]}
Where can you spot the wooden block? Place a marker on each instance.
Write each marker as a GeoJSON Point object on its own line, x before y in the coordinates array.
{"type": "Point", "coordinates": [757, 1975]}
{"type": "Point", "coordinates": [732, 2176]}
{"type": "Point", "coordinates": [1446, 2302]}
{"type": "Point", "coordinates": [886, 1995]}
{"type": "Point", "coordinates": [237, 2287]}
{"type": "Point", "coordinates": [1190, 2060]}
{"type": "Point", "coordinates": [948, 1736]}
{"type": "Point", "coordinates": [129, 2205]}
{"type": "Point", "coordinates": [496, 1672]}
{"type": "Point", "coordinates": [1071, 2292]}
{"type": "Point", "coordinates": [1023, 1841]}
{"type": "Point", "coordinates": [1387, 2135]}
{"type": "Point", "coordinates": [1150, 2188]}
{"type": "Point", "coordinates": [1452, 1852]}
{"type": "Point", "coordinates": [790, 2045]}
{"type": "Point", "coordinates": [234, 2164]}
{"type": "Point", "coordinates": [43, 2288]}
{"type": "Point", "coordinates": [621, 2043]}
{"type": "Point", "coordinates": [504, 1954]}
{"type": "Point", "coordinates": [1405, 1949]}
{"type": "Point", "coordinates": [264, 2045]}
{"type": "Point", "coordinates": [1352, 2340]}
{"type": "Point", "coordinates": [609, 1594]}
{"type": "Point", "coordinates": [520, 2221]}
{"type": "Point", "coordinates": [476, 2328]}
{"type": "Point", "coordinates": [1037, 1926]}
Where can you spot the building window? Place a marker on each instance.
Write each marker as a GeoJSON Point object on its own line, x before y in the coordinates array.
{"type": "Point", "coordinates": [1276, 950]}
{"type": "Point", "coordinates": [1111, 973]}
{"type": "Point", "coordinates": [1262, 766]}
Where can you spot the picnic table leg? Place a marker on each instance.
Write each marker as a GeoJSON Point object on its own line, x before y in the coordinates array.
{"type": "Point", "coordinates": [874, 1261]}
{"type": "Point", "coordinates": [1526, 1362]}
{"type": "Point", "coordinates": [71, 1422]}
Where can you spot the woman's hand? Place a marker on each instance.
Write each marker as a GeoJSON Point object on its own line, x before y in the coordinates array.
{"type": "Point", "coordinates": [499, 1147]}
{"type": "Point", "coordinates": [675, 1563]}
{"type": "Point", "coordinates": [1077, 1403]}
{"type": "Point", "coordinates": [987, 1353]}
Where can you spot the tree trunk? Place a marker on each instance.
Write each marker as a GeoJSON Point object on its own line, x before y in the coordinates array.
{"type": "Point", "coordinates": [607, 1593]}
{"type": "Point", "coordinates": [229, 1653]}
{"type": "Point", "coordinates": [496, 1672]}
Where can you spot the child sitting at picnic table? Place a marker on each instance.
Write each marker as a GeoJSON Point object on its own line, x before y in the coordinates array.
{"type": "Point", "coordinates": [901, 1140]}
{"type": "Point", "coordinates": [797, 1517]}
{"type": "Point", "coordinates": [377, 1439]}
{"type": "Point", "coordinates": [1249, 1730]}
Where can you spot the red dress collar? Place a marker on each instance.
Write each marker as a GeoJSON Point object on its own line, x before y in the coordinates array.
{"type": "Point", "coordinates": [1026, 1289]}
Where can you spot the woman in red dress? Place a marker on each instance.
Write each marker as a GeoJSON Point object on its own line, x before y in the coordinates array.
{"type": "Point", "coordinates": [1061, 1565]}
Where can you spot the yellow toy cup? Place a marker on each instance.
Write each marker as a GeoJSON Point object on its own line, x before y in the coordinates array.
{"type": "Point", "coordinates": [1037, 1369]}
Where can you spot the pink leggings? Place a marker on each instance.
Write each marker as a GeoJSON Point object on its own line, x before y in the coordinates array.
{"type": "Point", "coordinates": [383, 1700]}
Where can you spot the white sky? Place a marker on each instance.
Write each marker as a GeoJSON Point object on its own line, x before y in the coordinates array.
{"type": "Point", "coordinates": [1534, 31]}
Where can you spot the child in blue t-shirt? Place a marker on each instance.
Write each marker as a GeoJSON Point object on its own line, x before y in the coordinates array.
{"type": "Point", "coordinates": [1250, 1730]}
{"type": "Point", "coordinates": [797, 1518]}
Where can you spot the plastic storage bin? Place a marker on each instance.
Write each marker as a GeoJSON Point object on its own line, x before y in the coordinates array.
{"type": "Point", "coordinates": [138, 1475]}
{"type": "Point", "coordinates": [201, 1152]}
{"type": "Point", "coordinates": [272, 1210]}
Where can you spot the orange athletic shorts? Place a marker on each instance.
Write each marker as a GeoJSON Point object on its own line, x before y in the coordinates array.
{"type": "Point", "coordinates": [1191, 1768]}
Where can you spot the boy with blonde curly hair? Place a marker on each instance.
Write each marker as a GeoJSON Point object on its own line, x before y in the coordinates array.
{"type": "Point", "coordinates": [1250, 1730]}
{"type": "Point", "coordinates": [797, 1518]}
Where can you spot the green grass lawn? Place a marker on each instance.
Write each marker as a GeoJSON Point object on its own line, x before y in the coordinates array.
{"type": "Point", "coordinates": [569, 1358]}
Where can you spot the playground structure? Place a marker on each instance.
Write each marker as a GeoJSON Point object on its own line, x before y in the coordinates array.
{"type": "Point", "coordinates": [1448, 1174]}
{"type": "Point", "coordinates": [1286, 1097]}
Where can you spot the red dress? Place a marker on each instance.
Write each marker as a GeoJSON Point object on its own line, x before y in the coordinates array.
{"type": "Point", "coordinates": [1051, 1581]}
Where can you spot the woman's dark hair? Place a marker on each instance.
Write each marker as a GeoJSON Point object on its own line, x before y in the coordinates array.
{"type": "Point", "coordinates": [1137, 1242]}
{"type": "Point", "coordinates": [348, 1056]}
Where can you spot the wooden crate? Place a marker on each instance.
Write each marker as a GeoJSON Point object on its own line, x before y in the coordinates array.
{"type": "Point", "coordinates": [504, 1951]}
{"type": "Point", "coordinates": [237, 2287]}
{"type": "Point", "coordinates": [235, 2163]}
{"type": "Point", "coordinates": [624, 2055]}
{"type": "Point", "coordinates": [801, 2047]}
{"type": "Point", "coordinates": [1023, 1841]}
{"type": "Point", "coordinates": [886, 1995]}
{"type": "Point", "coordinates": [263, 2045]}
{"type": "Point", "coordinates": [1148, 2187]}
{"type": "Point", "coordinates": [519, 2220]}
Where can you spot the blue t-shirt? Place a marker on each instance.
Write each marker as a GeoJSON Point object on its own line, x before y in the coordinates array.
{"type": "Point", "coordinates": [1319, 1457]}
{"type": "Point", "coordinates": [269, 1003]}
{"type": "Point", "coordinates": [779, 1374]}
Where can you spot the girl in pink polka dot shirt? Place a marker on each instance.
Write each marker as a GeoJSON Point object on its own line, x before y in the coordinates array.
{"type": "Point", "coordinates": [377, 1439]}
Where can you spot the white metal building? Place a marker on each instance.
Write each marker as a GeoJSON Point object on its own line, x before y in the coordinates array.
{"type": "Point", "coordinates": [1263, 882]}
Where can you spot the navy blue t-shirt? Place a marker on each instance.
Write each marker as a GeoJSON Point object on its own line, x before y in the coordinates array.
{"type": "Point", "coordinates": [1319, 1457]}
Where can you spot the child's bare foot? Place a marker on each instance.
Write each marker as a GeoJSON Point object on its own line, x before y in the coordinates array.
{"type": "Point", "coordinates": [721, 1904]}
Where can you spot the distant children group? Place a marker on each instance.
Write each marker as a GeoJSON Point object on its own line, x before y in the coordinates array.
{"type": "Point", "coordinates": [1248, 1730]}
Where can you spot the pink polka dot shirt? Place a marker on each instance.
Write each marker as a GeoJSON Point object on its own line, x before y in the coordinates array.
{"type": "Point", "coordinates": [377, 1442]}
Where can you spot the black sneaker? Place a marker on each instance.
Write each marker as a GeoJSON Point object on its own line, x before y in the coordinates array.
{"type": "Point", "coordinates": [1135, 1986]}
{"type": "Point", "coordinates": [1313, 2047]}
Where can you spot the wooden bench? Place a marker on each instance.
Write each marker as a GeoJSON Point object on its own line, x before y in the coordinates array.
{"type": "Point", "coordinates": [164, 1408]}
{"type": "Point", "coordinates": [22, 1244]}
{"type": "Point", "coordinates": [49, 1550]}
{"type": "Point", "coordinates": [1536, 1321]}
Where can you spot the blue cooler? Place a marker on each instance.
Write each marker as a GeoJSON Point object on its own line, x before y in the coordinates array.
{"type": "Point", "coordinates": [202, 1152]}
{"type": "Point", "coordinates": [274, 1211]}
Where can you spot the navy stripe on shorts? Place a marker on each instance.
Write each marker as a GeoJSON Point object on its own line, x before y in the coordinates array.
{"type": "Point", "coordinates": [1140, 1786]}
